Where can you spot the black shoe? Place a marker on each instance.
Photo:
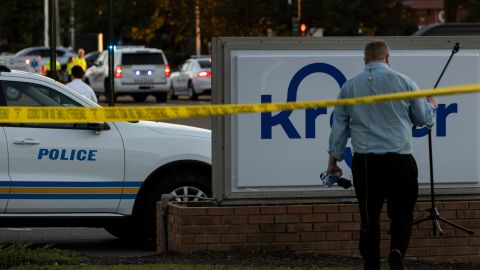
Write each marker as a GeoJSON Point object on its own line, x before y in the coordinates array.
{"type": "Point", "coordinates": [395, 259]}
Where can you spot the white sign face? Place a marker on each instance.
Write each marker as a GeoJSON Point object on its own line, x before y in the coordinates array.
{"type": "Point", "coordinates": [288, 150]}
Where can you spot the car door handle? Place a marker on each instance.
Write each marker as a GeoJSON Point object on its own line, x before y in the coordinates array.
{"type": "Point", "coordinates": [30, 141]}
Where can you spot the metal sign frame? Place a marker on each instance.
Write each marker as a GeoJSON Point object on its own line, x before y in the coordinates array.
{"type": "Point", "coordinates": [222, 48]}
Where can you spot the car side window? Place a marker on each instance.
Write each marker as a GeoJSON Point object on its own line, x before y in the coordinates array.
{"type": "Point", "coordinates": [186, 66]}
{"type": "Point", "coordinates": [101, 59]}
{"type": "Point", "coordinates": [34, 95]}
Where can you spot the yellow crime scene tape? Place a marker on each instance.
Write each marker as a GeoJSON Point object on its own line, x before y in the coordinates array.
{"type": "Point", "coordinates": [117, 114]}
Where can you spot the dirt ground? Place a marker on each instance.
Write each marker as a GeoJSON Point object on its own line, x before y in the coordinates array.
{"type": "Point", "coordinates": [287, 259]}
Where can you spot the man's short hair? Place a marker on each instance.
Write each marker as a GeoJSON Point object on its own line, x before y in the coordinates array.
{"type": "Point", "coordinates": [376, 50]}
{"type": "Point", "coordinates": [77, 72]}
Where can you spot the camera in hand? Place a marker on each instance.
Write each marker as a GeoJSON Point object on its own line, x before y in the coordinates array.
{"type": "Point", "coordinates": [329, 180]}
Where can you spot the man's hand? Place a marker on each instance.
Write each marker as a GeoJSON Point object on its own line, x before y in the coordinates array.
{"type": "Point", "coordinates": [332, 166]}
{"type": "Point", "coordinates": [433, 101]}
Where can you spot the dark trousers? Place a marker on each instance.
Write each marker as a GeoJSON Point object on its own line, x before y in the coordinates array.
{"type": "Point", "coordinates": [393, 177]}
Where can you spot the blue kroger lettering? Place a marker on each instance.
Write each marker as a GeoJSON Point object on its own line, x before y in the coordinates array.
{"type": "Point", "coordinates": [442, 113]}
{"type": "Point", "coordinates": [268, 120]}
{"type": "Point", "coordinates": [283, 118]}
{"type": "Point", "coordinates": [65, 154]}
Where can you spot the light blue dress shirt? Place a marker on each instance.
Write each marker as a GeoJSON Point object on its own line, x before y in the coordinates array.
{"type": "Point", "coordinates": [378, 128]}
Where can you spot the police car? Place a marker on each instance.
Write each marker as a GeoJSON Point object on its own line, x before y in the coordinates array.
{"type": "Point", "coordinates": [97, 174]}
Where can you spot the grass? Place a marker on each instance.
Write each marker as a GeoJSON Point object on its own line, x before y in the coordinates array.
{"type": "Point", "coordinates": [22, 254]}
{"type": "Point", "coordinates": [169, 267]}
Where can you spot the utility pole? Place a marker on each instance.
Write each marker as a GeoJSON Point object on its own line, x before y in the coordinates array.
{"type": "Point", "coordinates": [198, 42]}
{"type": "Point", "coordinates": [111, 75]}
{"type": "Point", "coordinates": [45, 23]}
{"type": "Point", "coordinates": [53, 40]}
{"type": "Point", "coordinates": [296, 16]}
{"type": "Point", "coordinates": [72, 24]}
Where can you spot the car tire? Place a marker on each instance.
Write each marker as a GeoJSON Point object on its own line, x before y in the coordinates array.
{"type": "Point", "coordinates": [181, 183]}
{"type": "Point", "coordinates": [139, 97]}
{"type": "Point", "coordinates": [161, 97]}
{"type": "Point", "coordinates": [191, 92]}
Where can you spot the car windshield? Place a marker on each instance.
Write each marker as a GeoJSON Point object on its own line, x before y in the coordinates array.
{"type": "Point", "coordinates": [142, 59]}
{"type": "Point", "coordinates": [205, 64]}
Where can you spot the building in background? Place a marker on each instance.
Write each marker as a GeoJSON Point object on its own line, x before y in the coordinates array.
{"type": "Point", "coordinates": [428, 12]}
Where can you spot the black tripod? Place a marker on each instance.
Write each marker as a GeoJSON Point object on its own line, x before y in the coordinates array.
{"type": "Point", "coordinates": [434, 216]}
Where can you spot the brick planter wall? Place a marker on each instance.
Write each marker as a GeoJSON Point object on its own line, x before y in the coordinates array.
{"type": "Point", "coordinates": [326, 228]}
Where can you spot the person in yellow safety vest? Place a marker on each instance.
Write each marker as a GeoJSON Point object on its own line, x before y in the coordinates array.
{"type": "Point", "coordinates": [70, 65]}
{"type": "Point", "coordinates": [80, 60]}
{"type": "Point", "coordinates": [47, 67]}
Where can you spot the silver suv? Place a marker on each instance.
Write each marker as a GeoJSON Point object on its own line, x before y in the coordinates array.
{"type": "Point", "coordinates": [138, 72]}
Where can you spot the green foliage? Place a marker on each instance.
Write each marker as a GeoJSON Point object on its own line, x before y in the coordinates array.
{"type": "Point", "coordinates": [23, 254]}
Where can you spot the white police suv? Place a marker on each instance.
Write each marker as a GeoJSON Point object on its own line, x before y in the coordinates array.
{"type": "Point", "coordinates": [96, 174]}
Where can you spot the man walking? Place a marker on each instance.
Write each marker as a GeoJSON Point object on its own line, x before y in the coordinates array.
{"type": "Point", "coordinates": [383, 167]}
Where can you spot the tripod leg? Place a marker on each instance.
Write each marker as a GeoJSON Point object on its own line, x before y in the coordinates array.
{"type": "Point", "coordinates": [456, 226]}
{"type": "Point", "coordinates": [436, 226]}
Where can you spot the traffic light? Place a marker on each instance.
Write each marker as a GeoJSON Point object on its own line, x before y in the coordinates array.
{"type": "Point", "coordinates": [303, 28]}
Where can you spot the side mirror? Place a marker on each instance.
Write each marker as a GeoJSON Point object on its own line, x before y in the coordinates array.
{"type": "Point", "coordinates": [97, 127]}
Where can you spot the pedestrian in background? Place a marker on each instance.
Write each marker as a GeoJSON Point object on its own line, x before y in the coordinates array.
{"type": "Point", "coordinates": [80, 59]}
{"type": "Point", "coordinates": [383, 166]}
{"type": "Point", "coordinates": [78, 85]}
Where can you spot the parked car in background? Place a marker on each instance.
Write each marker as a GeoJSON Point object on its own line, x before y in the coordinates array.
{"type": "Point", "coordinates": [34, 59]}
{"type": "Point", "coordinates": [138, 72]}
{"type": "Point", "coordinates": [450, 29]}
{"type": "Point", "coordinates": [91, 57]}
{"type": "Point", "coordinates": [193, 78]}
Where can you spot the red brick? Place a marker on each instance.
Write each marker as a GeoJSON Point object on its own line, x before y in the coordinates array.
{"type": "Point", "coordinates": [287, 218]}
{"type": "Point", "coordinates": [220, 247]}
{"type": "Point", "coordinates": [260, 238]}
{"type": "Point", "coordinates": [267, 228]}
{"type": "Point", "coordinates": [191, 248]}
{"type": "Point", "coordinates": [247, 210]}
{"type": "Point", "coordinates": [325, 208]}
{"type": "Point", "coordinates": [325, 245]}
{"type": "Point", "coordinates": [339, 236]}
{"type": "Point", "coordinates": [185, 239]}
{"type": "Point", "coordinates": [339, 217]}
{"type": "Point", "coordinates": [273, 210]}
{"type": "Point", "coordinates": [234, 238]}
{"type": "Point", "coordinates": [240, 228]}
{"type": "Point", "coordinates": [186, 220]}
{"type": "Point", "coordinates": [192, 211]}
{"type": "Point", "coordinates": [314, 217]}
{"type": "Point", "coordinates": [299, 209]}
{"type": "Point", "coordinates": [468, 214]}
{"type": "Point", "coordinates": [192, 229]}
{"type": "Point", "coordinates": [207, 220]}
{"type": "Point", "coordinates": [348, 208]}
{"type": "Point", "coordinates": [474, 205]}
{"type": "Point", "coordinates": [207, 239]}
{"type": "Point", "coordinates": [234, 220]}
{"type": "Point", "coordinates": [213, 229]}
{"type": "Point", "coordinates": [348, 226]}
{"type": "Point", "coordinates": [312, 236]}
{"type": "Point", "coordinates": [455, 205]}
{"type": "Point", "coordinates": [172, 209]}
{"type": "Point", "coordinates": [262, 219]}
{"type": "Point", "coordinates": [221, 211]}
{"type": "Point", "coordinates": [325, 227]}
{"type": "Point", "coordinates": [300, 247]}
{"type": "Point", "coordinates": [299, 227]}
{"type": "Point", "coordinates": [287, 237]}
